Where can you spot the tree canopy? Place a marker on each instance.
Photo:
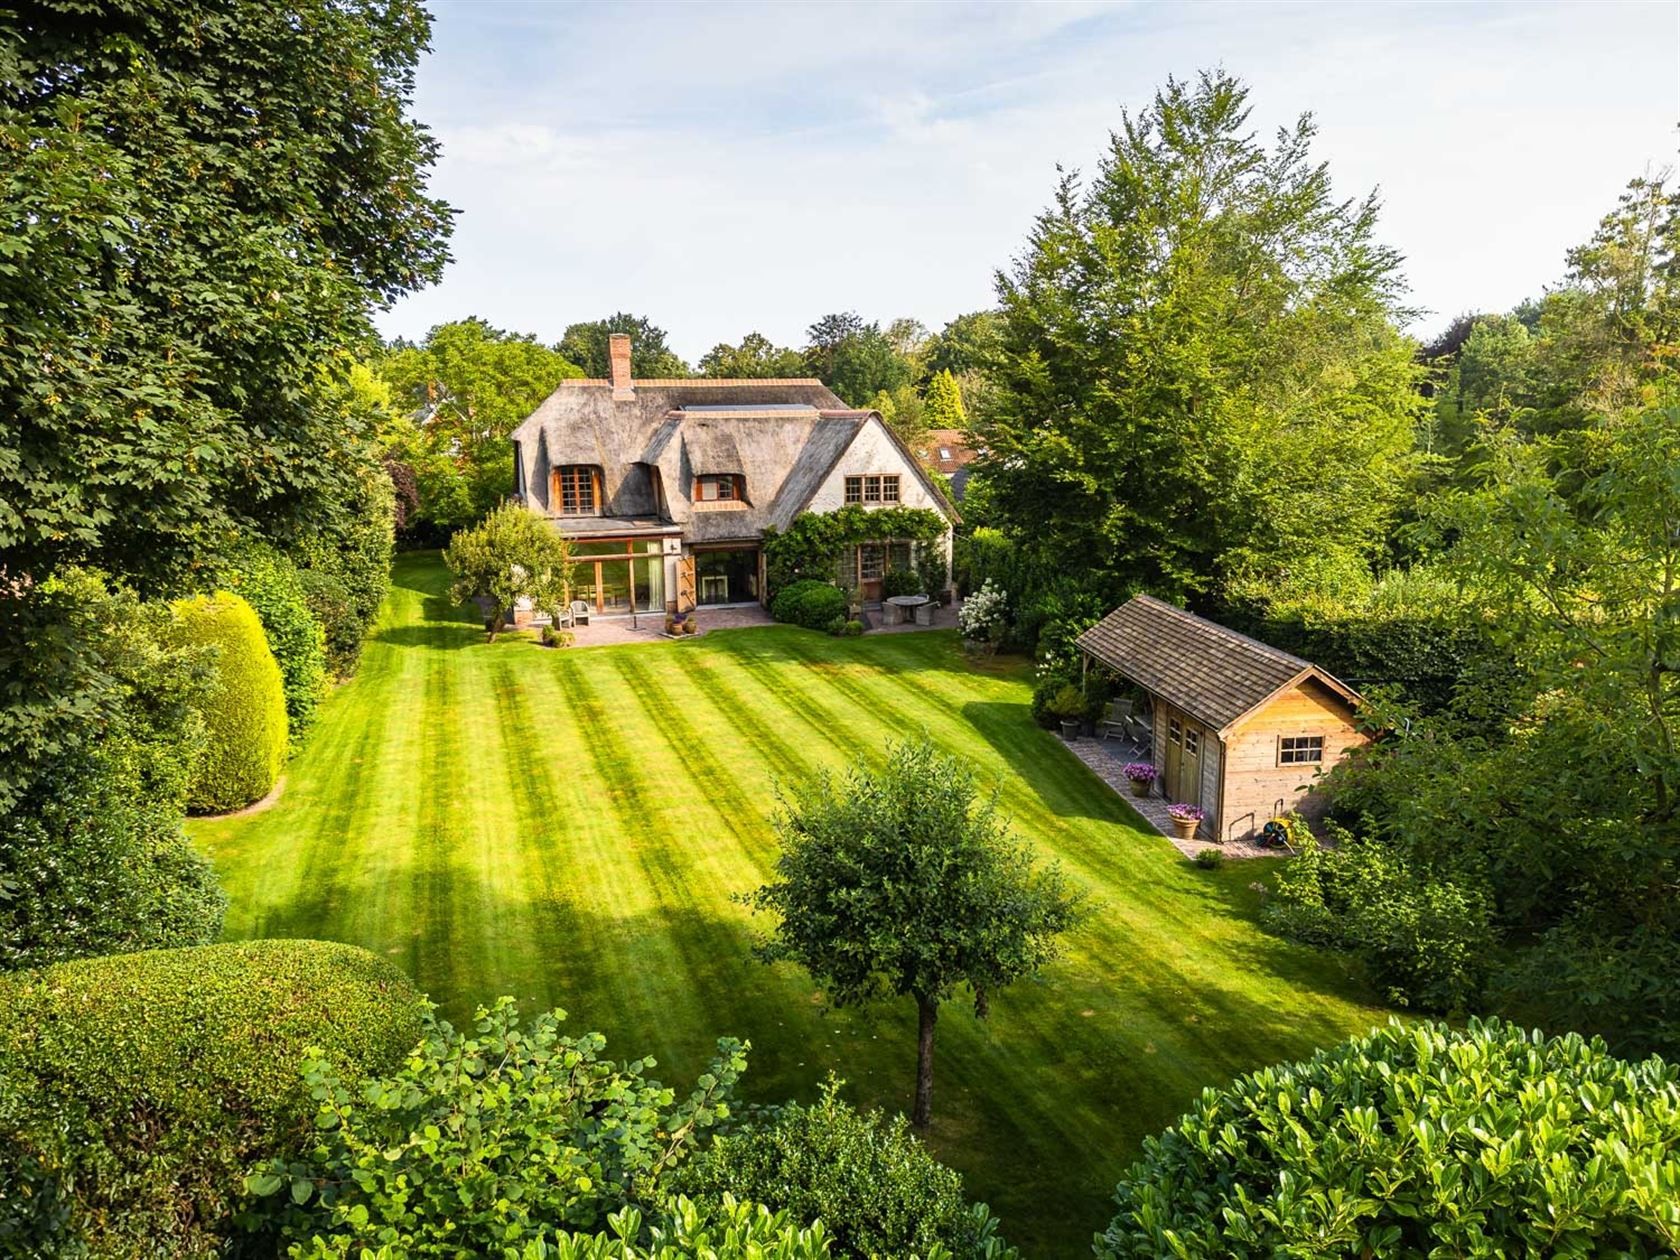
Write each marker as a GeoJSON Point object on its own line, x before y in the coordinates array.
{"type": "Point", "coordinates": [1198, 368]}
{"type": "Point", "coordinates": [208, 200]}
{"type": "Point", "coordinates": [587, 345]}
{"type": "Point", "coordinates": [756, 357]}
{"type": "Point", "coordinates": [903, 883]}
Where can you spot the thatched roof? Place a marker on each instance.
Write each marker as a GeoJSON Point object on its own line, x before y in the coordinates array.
{"type": "Point", "coordinates": [1214, 674]}
{"type": "Point", "coordinates": [782, 436]}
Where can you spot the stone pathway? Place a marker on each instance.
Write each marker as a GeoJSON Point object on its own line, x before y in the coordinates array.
{"type": "Point", "coordinates": [1105, 759]}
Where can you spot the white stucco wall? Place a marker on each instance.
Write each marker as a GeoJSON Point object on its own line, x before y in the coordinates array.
{"type": "Point", "coordinates": [872, 451]}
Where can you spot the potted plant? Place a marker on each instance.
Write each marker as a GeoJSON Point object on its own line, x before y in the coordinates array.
{"type": "Point", "coordinates": [1141, 775]}
{"type": "Point", "coordinates": [1185, 819]}
{"type": "Point", "coordinates": [1068, 707]}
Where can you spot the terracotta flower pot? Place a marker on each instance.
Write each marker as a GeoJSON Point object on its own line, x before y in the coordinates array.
{"type": "Point", "coordinates": [1140, 787]}
{"type": "Point", "coordinates": [1070, 729]}
{"type": "Point", "coordinates": [1185, 828]}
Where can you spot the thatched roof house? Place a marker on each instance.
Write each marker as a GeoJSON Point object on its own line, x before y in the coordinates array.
{"type": "Point", "coordinates": [694, 471]}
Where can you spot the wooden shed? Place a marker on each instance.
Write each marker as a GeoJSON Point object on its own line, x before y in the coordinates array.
{"type": "Point", "coordinates": [1238, 727]}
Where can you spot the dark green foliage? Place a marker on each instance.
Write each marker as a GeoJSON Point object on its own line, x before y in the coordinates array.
{"type": "Point", "coordinates": [1426, 940]}
{"type": "Point", "coordinates": [1199, 371]}
{"type": "Point", "coordinates": [206, 201]}
{"type": "Point", "coordinates": [872, 1184]}
{"type": "Point", "coordinates": [755, 358]}
{"type": "Point", "coordinates": [1210, 859]}
{"type": "Point", "coordinates": [487, 1141]}
{"type": "Point", "coordinates": [345, 564]}
{"type": "Point", "coordinates": [731, 1231]}
{"type": "Point", "coordinates": [92, 855]}
{"type": "Point", "coordinates": [244, 709]}
{"type": "Point", "coordinates": [901, 582]}
{"type": "Point", "coordinates": [814, 542]}
{"type": "Point", "coordinates": [853, 629]}
{"type": "Point", "coordinates": [812, 604]}
{"type": "Point", "coordinates": [270, 583]}
{"type": "Point", "coordinates": [588, 345]}
{"type": "Point", "coordinates": [1417, 1141]}
{"type": "Point", "coordinates": [138, 1089]}
{"type": "Point", "coordinates": [854, 359]}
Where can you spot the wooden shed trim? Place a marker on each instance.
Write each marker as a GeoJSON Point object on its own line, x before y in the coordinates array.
{"type": "Point", "coordinates": [1313, 672]}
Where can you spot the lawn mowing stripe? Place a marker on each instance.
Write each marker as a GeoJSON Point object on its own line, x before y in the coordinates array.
{"type": "Point", "coordinates": [731, 705]}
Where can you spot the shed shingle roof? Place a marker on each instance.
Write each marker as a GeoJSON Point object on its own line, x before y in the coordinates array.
{"type": "Point", "coordinates": [1214, 674]}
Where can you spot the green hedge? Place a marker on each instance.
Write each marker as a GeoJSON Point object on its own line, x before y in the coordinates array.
{"type": "Point", "coordinates": [271, 584]}
{"type": "Point", "coordinates": [245, 710]}
{"type": "Point", "coordinates": [874, 1186]}
{"type": "Point", "coordinates": [93, 858]}
{"type": "Point", "coordinates": [812, 604]}
{"type": "Point", "coordinates": [1418, 1141]}
{"type": "Point", "coordinates": [346, 566]}
{"type": "Point", "coordinates": [139, 1088]}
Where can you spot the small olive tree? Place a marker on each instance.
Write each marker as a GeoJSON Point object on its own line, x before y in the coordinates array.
{"type": "Point", "coordinates": [905, 883]}
{"type": "Point", "coordinates": [512, 554]}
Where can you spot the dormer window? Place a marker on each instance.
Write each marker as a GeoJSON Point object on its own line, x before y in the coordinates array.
{"type": "Point", "coordinates": [719, 488]}
{"type": "Point", "coordinates": [577, 490]}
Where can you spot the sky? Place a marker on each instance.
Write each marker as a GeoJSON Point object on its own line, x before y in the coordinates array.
{"type": "Point", "coordinates": [728, 168]}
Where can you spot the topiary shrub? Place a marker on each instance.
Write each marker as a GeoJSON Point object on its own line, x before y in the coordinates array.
{"type": "Point", "coordinates": [138, 1089]}
{"type": "Point", "coordinates": [244, 710]}
{"type": "Point", "coordinates": [853, 629]}
{"type": "Point", "coordinates": [812, 604]}
{"type": "Point", "coordinates": [1418, 1141]}
{"type": "Point", "coordinates": [873, 1185]}
{"type": "Point", "coordinates": [270, 583]}
{"type": "Point", "coordinates": [93, 858]}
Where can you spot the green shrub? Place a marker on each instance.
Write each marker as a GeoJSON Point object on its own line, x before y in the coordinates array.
{"type": "Point", "coordinates": [1045, 689]}
{"type": "Point", "coordinates": [1068, 704]}
{"type": "Point", "coordinates": [270, 583]}
{"type": "Point", "coordinates": [487, 1142]}
{"type": "Point", "coordinates": [812, 604]}
{"type": "Point", "coordinates": [901, 582]}
{"type": "Point", "coordinates": [731, 1231]}
{"type": "Point", "coordinates": [1210, 859]}
{"type": "Point", "coordinates": [352, 553]}
{"type": "Point", "coordinates": [1425, 940]}
{"type": "Point", "coordinates": [141, 1087]}
{"type": "Point", "coordinates": [245, 709]}
{"type": "Point", "coordinates": [93, 859]}
{"type": "Point", "coordinates": [853, 629]}
{"type": "Point", "coordinates": [1418, 1141]}
{"type": "Point", "coordinates": [866, 1177]}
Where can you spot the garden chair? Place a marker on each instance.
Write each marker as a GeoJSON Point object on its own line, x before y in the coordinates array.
{"type": "Point", "coordinates": [924, 613]}
{"type": "Point", "coordinates": [580, 613]}
{"type": "Point", "coordinates": [1117, 720]}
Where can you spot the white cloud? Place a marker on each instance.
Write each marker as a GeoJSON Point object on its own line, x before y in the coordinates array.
{"type": "Point", "coordinates": [721, 169]}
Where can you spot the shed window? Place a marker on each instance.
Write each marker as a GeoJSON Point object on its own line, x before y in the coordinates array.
{"type": "Point", "coordinates": [872, 488]}
{"type": "Point", "coordinates": [577, 490]}
{"type": "Point", "coordinates": [870, 557]}
{"type": "Point", "coordinates": [714, 488]}
{"type": "Point", "coordinates": [1300, 750]}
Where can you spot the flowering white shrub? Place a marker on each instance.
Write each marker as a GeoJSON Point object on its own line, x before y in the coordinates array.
{"type": "Point", "coordinates": [982, 614]}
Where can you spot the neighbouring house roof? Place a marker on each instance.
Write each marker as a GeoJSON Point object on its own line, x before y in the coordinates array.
{"type": "Point", "coordinates": [947, 450]}
{"type": "Point", "coordinates": [1213, 673]}
{"type": "Point", "coordinates": [783, 437]}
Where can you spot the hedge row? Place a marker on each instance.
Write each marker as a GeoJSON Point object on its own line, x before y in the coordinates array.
{"type": "Point", "coordinates": [812, 604]}
{"type": "Point", "coordinates": [245, 710]}
{"type": "Point", "coordinates": [136, 1090]}
{"type": "Point", "coordinates": [271, 584]}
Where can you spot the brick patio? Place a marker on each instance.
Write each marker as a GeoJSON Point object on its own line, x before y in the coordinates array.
{"type": "Point", "coordinates": [1107, 757]}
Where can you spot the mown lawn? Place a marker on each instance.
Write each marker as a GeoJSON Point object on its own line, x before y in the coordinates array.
{"type": "Point", "coordinates": [568, 827]}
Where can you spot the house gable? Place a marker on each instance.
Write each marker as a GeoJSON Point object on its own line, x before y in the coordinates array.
{"type": "Point", "coordinates": [875, 449]}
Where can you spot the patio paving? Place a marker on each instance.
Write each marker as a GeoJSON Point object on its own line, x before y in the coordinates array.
{"type": "Point", "coordinates": [1107, 757]}
{"type": "Point", "coordinates": [650, 627]}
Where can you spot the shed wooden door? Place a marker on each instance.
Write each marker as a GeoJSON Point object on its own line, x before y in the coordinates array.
{"type": "Point", "coordinates": [685, 584]}
{"type": "Point", "coordinates": [1183, 778]}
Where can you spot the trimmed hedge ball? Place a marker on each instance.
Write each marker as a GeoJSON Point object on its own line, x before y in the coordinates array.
{"type": "Point", "coordinates": [1418, 1140]}
{"type": "Point", "coordinates": [137, 1089]}
{"type": "Point", "coordinates": [245, 711]}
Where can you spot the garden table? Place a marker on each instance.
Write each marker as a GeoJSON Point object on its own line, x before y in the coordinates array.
{"type": "Point", "coordinates": [903, 607]}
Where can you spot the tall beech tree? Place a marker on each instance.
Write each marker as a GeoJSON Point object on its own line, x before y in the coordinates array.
{"type": "Point", "coordinates": [206, 202]}
{"type": "Point", "coordinates": [1199, 369]}
{"type": "Point", "coordinates": [903, 883]}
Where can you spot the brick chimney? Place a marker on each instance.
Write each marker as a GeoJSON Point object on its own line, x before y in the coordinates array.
{"type": "Point", "coordinates": [618, 350]}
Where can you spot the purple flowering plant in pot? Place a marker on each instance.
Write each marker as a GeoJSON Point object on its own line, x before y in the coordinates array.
{"type": "Point", "coordinates": [1185, 819]}
{"type": "Point", "coordinates": [1141, 775]}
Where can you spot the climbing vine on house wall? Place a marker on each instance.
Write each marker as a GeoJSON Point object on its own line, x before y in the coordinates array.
{"type": "Point", "coordinates": [813, 542]}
